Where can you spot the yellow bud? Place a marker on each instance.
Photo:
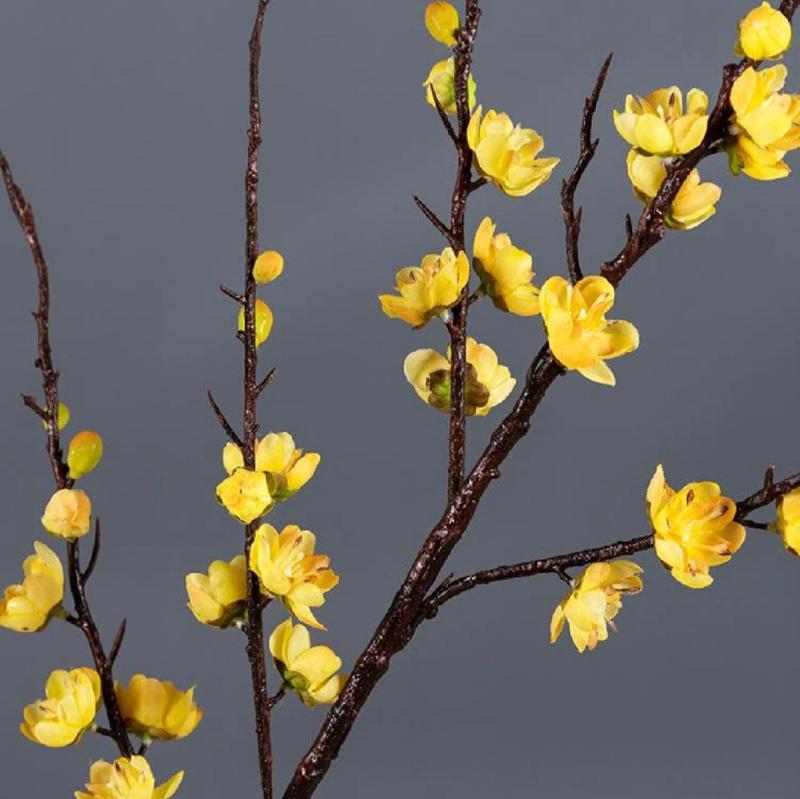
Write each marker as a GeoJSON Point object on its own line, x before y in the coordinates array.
{"type": "Point", "coordinates": [63, 416]}
{"type": "Point", "coordinates": [84, 453]}
{"type": "Point", "coordinates": [68, 514]}
{"type": "Point", "coordinates": [268, 266]}
{"type": "Point", "coordinates": [264, 321]}
{"type": "Point", "coordinates": [764, 33]}
{"type": "Point", "coordinates": [442, 22]}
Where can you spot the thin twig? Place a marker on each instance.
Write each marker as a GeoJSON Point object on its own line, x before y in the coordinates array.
{"type": "Point", "coordinates": [234, 295]}
{"type": "Point", "coordinates": [30, 402]}
{"type": "Point", "coordinates": [118, 639]}
{"type": "Point", "coordinates": [223, 420]}
{"type": "Point", "coordinates": [448, 126]}
{"type": "Point", "coordinates": [265, 382]}
{"type": "Point", "coordinates": [95, 554]}
{"type": "Point", "coordinates": [435, 221]}
{"type": "Point", "coordinates": [276, 697]}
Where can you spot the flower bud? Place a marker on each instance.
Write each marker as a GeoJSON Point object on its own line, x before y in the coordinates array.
{"type": "Point", "coordinates": [442, 22]}
{"type": "Point", "coordinates": [68, 514]}
{"type": "Point", "coordinates": [63, 416]}
{"type": "Point", "coordinates": [764, 33]}
{"type": "Point", "coordinates": [264, 321]}
{"type": "Point", "coordinates": [84, 453]}
{"type": "Point", "coordinates": [268, 266]}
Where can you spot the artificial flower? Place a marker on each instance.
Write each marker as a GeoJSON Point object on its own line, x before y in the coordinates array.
{"type": "Point", "coordinates": [788, 523]}
{"type": "Point", "coordinates": [578, 332]}
{"type": "Point", "coordinates": [27, 608]}
{"type": "Point", "coordinates": [429, 289]}
{"type": "Point", "coordinates": [506, 153]}
{"type": "Point", "coordinates": [441, 20]}
{"type": "Point", "coordinates": [245, 494]}
{"type": "Point", "coordinates": [219, 597]}
{"type": "Point", "coordinates": [84, 453]}
{"type": "Point", "coordinates": [488, 382]}
{"type": "Point", "coordinates": [268, 266]}
{"type": "Point", "coordinates": [127, 778]}
{"type": "Point", "coordinates": [308, 670]}
{"type": "Point", "coordinates": [764, 33]}
{"type": "Point", "coordinates": [288, 568]}
{"type": "Point", "coordinates": [68, 514]}
{"type": "Point", "coordinates": [593, 602]}
{"type": "Point", "coordinates": [156, 709]}
{"type": "Point", "coordinates": [441, 81]}
{"type": "Point", "coordinates": [762, 111]}
{"type": "Point", "coordinates": [264, 320]}
{"type": "Point", "coordinates": [694, 528]}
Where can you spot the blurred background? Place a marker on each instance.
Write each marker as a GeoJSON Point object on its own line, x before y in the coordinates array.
{"type": "Point", "coordinates": [125, 123]}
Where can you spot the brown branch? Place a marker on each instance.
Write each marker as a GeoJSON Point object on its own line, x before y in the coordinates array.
{"type": "Point", "coordinates": [118, 639]}
{"type": "Point", "coordinates": [82, 617]}
{"type": "Point", "coordinates": [30, 402]}
{"type": "Point", "coordinates": [572, 218]}
{"type": "Point", "coordinates": [95, 554]}
{"type": "Point", "coordinates": [436, 222]}
{"type": "Point", "coordinates": [265, 382]}
{"type": "Point", "coordinates": [275, 698]}
{"type": "Point", "coordinates": [234, 295]}
{"type": "Point", "coordinates": [223, 420]}
{"type": "Point", "coordinates": [448, 126]}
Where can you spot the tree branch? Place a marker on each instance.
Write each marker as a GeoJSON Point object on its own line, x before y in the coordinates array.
{"type": "Point", "coordinates": [572, 218]}
{"type": "Point", "coordinates": [223, 420]}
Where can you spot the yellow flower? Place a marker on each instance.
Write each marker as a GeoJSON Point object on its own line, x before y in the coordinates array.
{"type": "Point", "coordinates": [488, 382]}
{"type": "Point", "coordinates": [441, 80]}
{"type": "Point", "coordinates": [245, 494]}
{"type": "Point", "coordinates": [695, 201]}
{"type": "Point", "coordinates": [219, 597]}
{"type": "Point", "coordinates": [441, 20]}
{"type": "Point", "coordinates": [694, 528]}
{"type": "Point", "coordinates": [157, 709]}
{"type": "Point", "coordinates": [308, 670]}
{"type": "Point", "coordinates": [594, 601]}
{"type": "Point", "coordinates": [506, 271]}
{"type": "Point", "coordinates": [68, 711]}
{"type": "Point", "coordinates": [84, 453]}
{"type": "Point", "coordinates": [27, 608]}
{"type": "Point", "coordinates": [764, 33]}
{"type": "Point", "coordinates": [288, 568]}
{"type": "Point", "coordinates": [578, 332]}
{"type": "Point", "coordinates": [506, 154]}
{"type": "Point", "coordinates": [789, 521]}
{"type": "Point", "coordinates": [761, 110]}
{"type": "Point", "coordinates": [268, 267]}
{"type": "Point", "coordinates": [68, 514]}
{"type": "Point", "coordinates": [429, 289]}
{"type": "Point", "coordinates": [127, 778]}
{"type": "Point", "coordinates": [657, 125]}
{"type": "Point", "coordinates": [264, 321]}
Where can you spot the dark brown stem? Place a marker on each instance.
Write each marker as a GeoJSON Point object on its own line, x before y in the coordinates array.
{"type": "Point", "coordinates": [118, 639]}
{"type": "Point", "coordinates": [95, 554]}
{"type": "Point", "coordinates": [435, 221]}
{"type": "Point", "coordinates": [82, 616]}
{"type": "Point", "coordinates": [224, 423]}
{"type": "Point", "coordinates": [275, 698]}
{"type": "Point", "coordinates": [572, 218]}
{"type": "Point", "coordinates": [255, 621]}
{"type": "Point", "coordinates": [448, 126]}
{"type": "Point", "coordinates": [234, 295]}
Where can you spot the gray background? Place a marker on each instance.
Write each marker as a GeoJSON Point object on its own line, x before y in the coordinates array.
{"type": "Point", "coordinates": [125, 124]}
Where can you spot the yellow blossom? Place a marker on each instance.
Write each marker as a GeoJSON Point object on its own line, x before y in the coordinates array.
{"type": "Point", "coordinates": [264, 321]}
{"type": "Point", "coordinates": [219, 597]}
{"type": "Point", "coordinates": [157, 709]}
{"type": "Point", "coordinates": [127, 778]}
{"type": "Point", "coordinates": [441, 20]}
{"type": "Point", "coordinates": [694, 528]}
{"type": "Point", "coordinates": [594, 601]}
{"type": "Point", "coordinates": [288, 568]}
{"type": "Point", "coordinates": [428, 289]}
{"type": "Point", "coordinates": [789, 521]}
{"type": "Point", "coordinates": [761, 110]}
{"type": "Point", "coordinates": [27, 608]}
{"type": "Point", "coordinates": [245, 494]}
{"type": "Point", "coordinates": [68, 711]}
{"type": "Point", "coordinates": [506, 153]}
{"type": "Point", "coordinates": [84, 453]}
{"type": "Point", "coordinates": [764, 33]}
{"type": "Point", "coordinates": [656, 124]}
{"type": "Point", "coordinates": [308, 670]}
{"type": "Point", "coordinates": [441, 80]}
{"type": "Point", "coordinates": [695, 201]}
{"type": "Point", "coordinates": [268, 267]}
{"type": "Point", "coordinates": [506, 272]}
{"type": "Point", "coordinates": [286, 467]}
{"type": "Point", "coordinates": [488, 382]}
{"type": "Point", "coordinates": [578, 332]}
{"type": "Point", "coordinates": [63, 416]}
{"type": "Point", "coordinates": [759, 163]}
{"type": "Point", "coordinates": [68, 514]}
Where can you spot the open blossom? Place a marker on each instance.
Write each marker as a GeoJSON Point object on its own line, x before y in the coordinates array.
{"type": "Point", "coordinates": [245, 495]}
{"type": "Point", "coordinates": [506, 271]}
{"type": "Point", "coordinates": [488, 382]}
{"type": "Point", "coordinates": [286, 467]}
{"type": "Point", "coordinates": [268, 267]}
{"type": "Point", "coordinates": [657, 125]}
{"type": "Point", "coordinates": [311, 671]}
{"type": "Point", "coordinates": [157, 709]}
{"type": "Point", "coordinates": [789, 521]}
{"type": "Point", "coordinates": [28, 607]}
{"type": "Point", "coordinates": [695, 201]}
{"type": "Point", "coordinates": [288, 568]}
{"type": "Point", "coordinates": [441, 81]}
{"type": "Point", "coordinates": [428, 289]}
{"type": "Point", "coordinates": [595, 599]}
{"type": "Point", "coordinates": [578, 332]}
{"type": "Point", "coordinates": [264, 320]}
{"type": "Point", "coordinates": [764, 33]}
{"type": "Point", "coordinates": [506, 153]}
{"type": "Point", "coordinates": [71, 702]}
{"type": "Point", "coordinates": [127, 778]}
{"type": "Point", "coordinates": [68, 514]}
{"type": "Point", "coordinates": [694, 528]}
{"type": "Point", "coordinates": [219, 597]}
{"type": "Point", "coordinates": [442, 22]}
{"type": "Point", "coordinates": [84, 453]}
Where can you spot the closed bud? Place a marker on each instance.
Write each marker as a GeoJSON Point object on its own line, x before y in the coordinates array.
{"type": "Point", "coordinates": [268, 266]}
{"type": "Point", "coordinates": [63, 416]}
{"type": "Point", "coordinates": [264, 321]}
{"type": "Point", "coordinates": [764, 33]}
{"type": "Point", "coordinates": [84, 453]}
{"type": "Point", "coordinates": [68, 514]}
{"type": "Point", "coordinates": [442, 22]}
